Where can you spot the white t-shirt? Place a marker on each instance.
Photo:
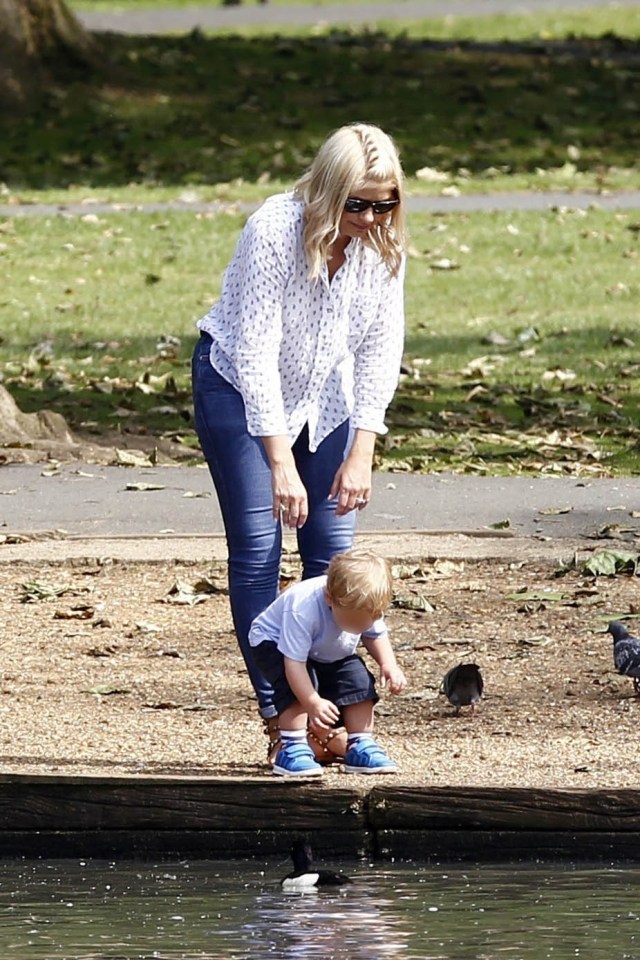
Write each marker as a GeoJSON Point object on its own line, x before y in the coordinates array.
{"type": "Point", "coordinates": [306, 351]}
{"type": "Point", "coordinates": [301, 624]}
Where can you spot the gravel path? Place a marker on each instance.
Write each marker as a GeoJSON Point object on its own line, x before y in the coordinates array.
{"type": "Point", "coordinates": [252, 14]}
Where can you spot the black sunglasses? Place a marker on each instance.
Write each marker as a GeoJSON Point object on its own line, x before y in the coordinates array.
{"type": "Point", "coordinates": [379, 207]}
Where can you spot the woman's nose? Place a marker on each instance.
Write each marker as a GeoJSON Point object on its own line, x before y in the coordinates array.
{"type": "Point", "coordinates": [367, 215]}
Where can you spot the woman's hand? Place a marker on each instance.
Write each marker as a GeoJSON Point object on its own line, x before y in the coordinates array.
{"type": "Point", "coordinates": [352, 483]}
{"type": "Point", "coordinates": [290, 501]}
{"type": "Point", "coordinates": [289, 495]}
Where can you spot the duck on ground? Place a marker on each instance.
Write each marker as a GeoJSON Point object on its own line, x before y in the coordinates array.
{"type": "Point", "coordinates": [305, 876]}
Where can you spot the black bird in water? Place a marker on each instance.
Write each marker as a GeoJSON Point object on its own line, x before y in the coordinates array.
{"type": "Point", "coordinates": [304, 875]}
{"type": "Point", "coordinates": [463, 686]}
{"type": "Point", "coordinates": [626, 652]}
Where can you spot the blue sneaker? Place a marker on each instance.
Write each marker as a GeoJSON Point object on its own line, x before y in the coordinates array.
{"type": "Point", "coordinates": [365, 756]}
{"type": "Point", "coordinates": [296, 759]}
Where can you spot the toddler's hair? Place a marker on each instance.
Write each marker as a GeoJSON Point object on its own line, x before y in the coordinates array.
{"type": "Point", "coordinates": [359, 580]}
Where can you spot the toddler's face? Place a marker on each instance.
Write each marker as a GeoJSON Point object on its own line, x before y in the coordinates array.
{"type": "Point", "coordinates": [351, 621]}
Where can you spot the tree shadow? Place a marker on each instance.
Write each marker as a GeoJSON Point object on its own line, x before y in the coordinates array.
{"type": "Point", "coordinates": [204, 109]}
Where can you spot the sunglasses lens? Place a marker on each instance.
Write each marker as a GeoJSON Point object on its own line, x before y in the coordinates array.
{"type": "Point", "coordinates": [384, 206]}
{"type": "Point", "coordinates": [353, 205]}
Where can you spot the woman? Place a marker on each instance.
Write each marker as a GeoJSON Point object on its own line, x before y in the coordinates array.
{"type": "Point", "coordinates": [295, 367]}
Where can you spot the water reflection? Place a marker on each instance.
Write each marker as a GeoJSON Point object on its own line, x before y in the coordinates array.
{"type": "Point", "coordinates": [222, 911]}
{"type": "Point", "coordinates": [358, 923]}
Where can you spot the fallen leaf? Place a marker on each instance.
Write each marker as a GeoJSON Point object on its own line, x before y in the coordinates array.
{"type": "Point", "coordinates": [33, 591]}
{"type": "Point", "coordinates": [552, 596]}
{"type": "Point", "coordinates": [613, 531]}
{"type": "Point", "coordinates": [192, 494]}
{"type": "Point", "coordinates": [444, 263]}
{"type": "Point", "coordinates": [141, 485]}
{"type": "Point", "coordinates": [82, 611]}
{"type": "Point", "coordinates": [133, 458]}
{"type": "Point", "coordinates": [190, 594]}
{"type": "Point", "coordinates": [106, 690]}
{"type": "Point", "coordinates": [418, 602]}
{"type": "Point", "coordinates": [403, 571]}
{"type": "Point", "coordinates": [538, 640]}
{"type": "Point", "coordinates": [501, 524]}
{"type": "Point", "coordinates": [554, 511]}
{"type": "Point", "coordinates": [607, 563]}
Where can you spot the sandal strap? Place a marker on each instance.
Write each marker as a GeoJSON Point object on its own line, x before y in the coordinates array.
{"type": "Point", "coordinates": [271, 729]}
{"type": "Point", "coordinates": [324, 741]}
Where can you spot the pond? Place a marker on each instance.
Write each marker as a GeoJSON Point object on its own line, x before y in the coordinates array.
{"type": "Point", "coordinates": [94, 910]}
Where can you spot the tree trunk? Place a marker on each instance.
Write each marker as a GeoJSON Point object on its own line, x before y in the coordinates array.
{"type": "Point", "coordinates": [35, 35]}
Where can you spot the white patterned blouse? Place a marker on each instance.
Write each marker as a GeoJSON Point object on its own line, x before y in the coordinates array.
{"type": "Point", "coordinates": [304, 351]}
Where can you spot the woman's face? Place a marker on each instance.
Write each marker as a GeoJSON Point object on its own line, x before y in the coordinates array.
{"type": "Point", "coordinates": [354, 225]}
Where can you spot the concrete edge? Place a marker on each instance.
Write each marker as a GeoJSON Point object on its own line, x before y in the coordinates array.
{"type": "Point", "coordinates": [49, 547]}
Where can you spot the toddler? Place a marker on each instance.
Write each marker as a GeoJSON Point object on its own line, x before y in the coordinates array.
{"type": "Point", "coordinates": [305, 645]}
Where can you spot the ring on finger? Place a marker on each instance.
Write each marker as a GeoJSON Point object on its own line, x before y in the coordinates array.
{"type": "Point", "coordinates": [361, 500]}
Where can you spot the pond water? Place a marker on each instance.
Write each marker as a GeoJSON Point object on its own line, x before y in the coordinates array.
{"type": "Point", "coordinates": [70, 910]}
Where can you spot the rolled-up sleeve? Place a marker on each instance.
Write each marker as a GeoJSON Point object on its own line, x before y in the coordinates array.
{"type": "Point", "coordinates": [377, 360]}
{"type": "Point", "coordinates": [262, 277]}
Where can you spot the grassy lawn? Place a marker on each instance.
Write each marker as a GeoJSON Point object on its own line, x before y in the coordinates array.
{"type": "Point", "coordinates": [521, 356]}
{"type": "Point", "coordinates": [521, 350]}
{"type": "Point", "coordinates": [154, 112]}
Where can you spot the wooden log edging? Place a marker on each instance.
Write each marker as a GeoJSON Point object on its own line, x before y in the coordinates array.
{"type": "Point", "coordinates": [90, 816]}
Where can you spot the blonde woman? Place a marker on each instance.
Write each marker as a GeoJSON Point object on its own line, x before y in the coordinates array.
{"type": "Point", "coordinates": [295, 367]}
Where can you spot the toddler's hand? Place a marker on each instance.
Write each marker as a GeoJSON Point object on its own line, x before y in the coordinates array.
{"type": "Point", "coordinates": [322, 713]}
{"type": "Point", "coordinates": [392, 677]}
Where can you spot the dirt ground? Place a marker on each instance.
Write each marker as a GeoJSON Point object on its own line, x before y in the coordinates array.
{"type": "Point", "coordinates": [101, 675]}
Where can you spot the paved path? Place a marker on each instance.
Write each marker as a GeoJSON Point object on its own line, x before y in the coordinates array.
{"type": "Point", "coordinates": [253, 14]}
{"type": "Point", "coordinates": [86, 500]}
{"type": "Point", "coordinates": [468, 203]}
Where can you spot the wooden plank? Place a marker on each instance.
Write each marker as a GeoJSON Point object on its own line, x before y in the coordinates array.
{"type": "Point", "coordinates": [179, 805]}
{"type": "Point", "coordinates": [179, 844]}
{"type": "Point", "coordinates": [506, 846]}
{"type": "Point", "coordinates": [469, 808]}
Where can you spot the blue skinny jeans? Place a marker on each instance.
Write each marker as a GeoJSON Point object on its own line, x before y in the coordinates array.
{"type": "Point", "coordinates": [242, 478]}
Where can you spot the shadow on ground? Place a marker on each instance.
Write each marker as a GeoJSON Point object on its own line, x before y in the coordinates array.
{"type": "Point", "coordinates": [157, 109]}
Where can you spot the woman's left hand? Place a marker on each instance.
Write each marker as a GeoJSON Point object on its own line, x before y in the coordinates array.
{"type": "Point", "coordinates": [352, 484]}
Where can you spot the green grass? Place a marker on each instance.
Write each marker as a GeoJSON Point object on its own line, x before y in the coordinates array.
{"type": "Point", "coordinates": [154, 112]}
{"type": "Point", "coordinates": [563, 397]}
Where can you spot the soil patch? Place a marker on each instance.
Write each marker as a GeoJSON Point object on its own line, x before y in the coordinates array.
{"type": "Point", "coordinates": [101, 674]}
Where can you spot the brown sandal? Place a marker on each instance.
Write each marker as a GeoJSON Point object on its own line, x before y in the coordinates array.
{"type": "Point", "coordinates": [272, 730]}
{"type": "Point", "coordinates": [320, 746]}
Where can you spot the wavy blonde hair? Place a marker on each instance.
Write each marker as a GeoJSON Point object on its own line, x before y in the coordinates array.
{"type": "Point", "coordinates": [353, 157]}
{"type": "Point", "coordinates": [359, 580]}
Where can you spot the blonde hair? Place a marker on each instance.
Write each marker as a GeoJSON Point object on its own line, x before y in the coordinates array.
{"type": "Point", "coordinates": [353, 157]}
{"type": "Point", "coordinates": [358, 580]}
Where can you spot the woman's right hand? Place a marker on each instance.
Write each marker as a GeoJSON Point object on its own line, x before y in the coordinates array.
{"type": "Point", "coordinates": [290, 500]}
{"type": "Point", "coordinates": [289, 495]}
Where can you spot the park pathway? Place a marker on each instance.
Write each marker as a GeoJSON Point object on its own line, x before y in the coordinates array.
{"type": "Point", "coordinates": [250, 13]}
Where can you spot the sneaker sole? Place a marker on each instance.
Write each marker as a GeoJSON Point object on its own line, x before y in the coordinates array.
{"type": "Point", "coordinates": [349, 769]}
{"type": "Point", "coordinates": [281, 772]}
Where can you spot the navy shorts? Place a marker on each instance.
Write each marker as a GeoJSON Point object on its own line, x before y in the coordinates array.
{"type": "Point", "coordinates": [342, 682]}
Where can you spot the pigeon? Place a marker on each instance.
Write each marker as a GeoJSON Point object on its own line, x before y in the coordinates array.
{"type": "Point", "coordinates": [626, 652]}
{"type": "Point", "coordinates": [463, 686]}
{"type": "Point", "coordinates": [304, 876]}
